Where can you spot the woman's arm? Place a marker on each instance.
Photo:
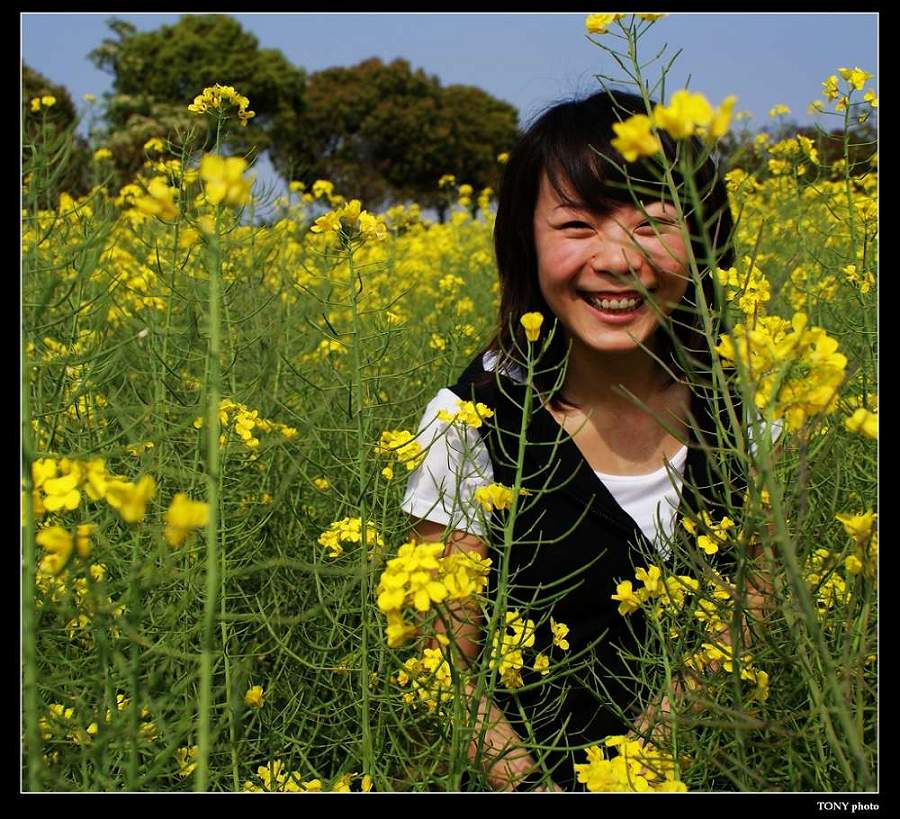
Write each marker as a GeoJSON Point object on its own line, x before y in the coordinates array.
{"type": "Point", "coordinates": [505, 759]}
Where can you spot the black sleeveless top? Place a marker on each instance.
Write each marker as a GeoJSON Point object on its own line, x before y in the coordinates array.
{"type": "Point", "coordinates": [570, 547]}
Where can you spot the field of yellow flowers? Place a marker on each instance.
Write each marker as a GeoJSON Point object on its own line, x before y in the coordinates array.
{"type": "Point", "coordinates": [218, 419]}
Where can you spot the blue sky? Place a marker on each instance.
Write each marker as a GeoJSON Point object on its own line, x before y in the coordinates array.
{"type": "Point", "coordinates": [526, 59]}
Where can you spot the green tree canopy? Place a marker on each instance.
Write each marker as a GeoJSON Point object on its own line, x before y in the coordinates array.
{"type": "Point", "coordinates": [158, 73]}
{"type": "Point", "coordinates": [384, 132]}
{"type": "Point", "coordinates": [62, 119]}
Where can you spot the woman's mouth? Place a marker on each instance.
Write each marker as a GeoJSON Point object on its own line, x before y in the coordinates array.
{"type": "Point", "coordinates": [613, 304]}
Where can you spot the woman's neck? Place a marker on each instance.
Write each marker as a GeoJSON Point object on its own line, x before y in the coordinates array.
{"type": "Point", "coordinates": [595, 379]}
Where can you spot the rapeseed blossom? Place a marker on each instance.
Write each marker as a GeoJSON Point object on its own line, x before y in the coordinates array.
{"type": "Point", "coordinates": [418, 577]}
{"type": "Point", "coordinates": [255, 697]}
{"type": "Point", "coordinates": [186, 759]}
{"type": "Point", "coordinates": [635, 137]}
{"type": "Point", "coordinates": [860, 528]}
{"type": "Point", "coordinates": [864, 422]}
{"type": "Point", "coordinates": [637, 767]}
{"type": "Point", "coordinates": [353, 221]}
{"type": "Point", "coordinates": [532, 323]}
{"type": "Point", "coordinates": [348, 530]}
{"type": "Point", "coordinates": [159, 201]}
{"type": "Point", "coordinates": [183, 517]}
{"type": "Point", "coordinates": [430, 680]}
{"type": "Point", "coordinates": [130, 499]}
{"type": "Point", "coordinates": [559, 632]}
{"type": "Point", "coordinates": [629, 601]}
{"type": "Point", "coordinates": [714, 534]}
{"type": "Point", "coordinates": [468, 413]}
{"type": "Point", "coordinates": [796, 369]}
{"type": "Point", "coordinates": [507, 645]}
{"type": "Point", "coordinates": [494, 496]}
{"type": "Point", "coordinates": [401, 444]}
{"type": "Point", "coordinates": [600, 23]}
{"type": "Point", "coordinates": [275, 777]}
{"type": "Point", "coordinates": [224, 180]}
{"type": "Point", "coordinates": [750, 289]}
{"type": "Point", "coordinates": [688, 114]}
{"type": "Point", "coordinates": [221, 98]}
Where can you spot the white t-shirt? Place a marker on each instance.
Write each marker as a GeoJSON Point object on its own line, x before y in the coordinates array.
{"type": "Point", "coordinates": [431, 491]}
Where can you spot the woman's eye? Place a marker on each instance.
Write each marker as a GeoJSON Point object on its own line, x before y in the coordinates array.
{"type": "Point", "coordinates": [652, 228]}
{"type": "Point", "coordinates": [575, 226]}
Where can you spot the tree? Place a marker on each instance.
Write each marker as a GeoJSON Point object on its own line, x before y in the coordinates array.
{"type": "Point", "coordinates": [62, 119]}
{"type": "Point", "coordinates": [385, 132]}
{"type": "Point", "coordinates": [739, 151]}
{"type": "Point", "coordinates": [158, 73]}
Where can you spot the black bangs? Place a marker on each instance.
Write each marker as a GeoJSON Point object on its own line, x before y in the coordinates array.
{"type": "Point", "coordinates": [580, 162]}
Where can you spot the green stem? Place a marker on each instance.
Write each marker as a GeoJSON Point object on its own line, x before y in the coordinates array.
{"type": "Point", "coordinates": [134, 602]}
{"type": "Point", "coordinates": [367, 751]}
{"type": "Point", "coordinates": [29, 621]}
{"type": "Point", "coordinates": [213, 390]}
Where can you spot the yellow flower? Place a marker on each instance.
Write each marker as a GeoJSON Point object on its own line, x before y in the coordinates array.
{"type": "Point", "coordinates": [559, 631]}
{"type": "Point", "coordinates": [101, 154]}
{"type": "Point", "coordinates": [864, 422]}
{"type": "Point", "coordinates": [130, 500]}
{"type": "Point", "coordinates": [58, 543]}
{"type": "Point", "coordinates": [503, 158]}
{"type": "Point", "coordinates": [870, 98]}
{"type": "Point", "coordinates": [532, 323]}
{"type": "Point", "coordinates": [62, 493]}
{"type": "Point", "coordinates": [186, 759]}
{"type": "Point", "coordinates": [494, 496]}
{"type": "Point", "coordinates": [859, 527]}
{"type": "Point", "coordinates": [635, 137]}
{"type": "Point", "coordinates": [82, 539]}
{"type": "Point", "coordinates": [401, 445]}
{"type": "Point", "coordinates": [721, 119]}
{"type": "Point", "coordinates": [255, 697]}
{"type": "Point", "coordinates": [683, 116]}
{"type": "Point", "coordinates": [600, 23]}
{"type": "Point", "coordinates": [472, 415]}
{"type": "Point", "coordinates": [628, 601]}
{"type": "Point", "coordinates": [160, 201]}
{"type": "Point", "coordinates": [183, 516]}
{"type": "Point", "coordinates": [220, 98]}
{"type": "Point", "coordinates": [797, 369]}
{"type": "Point", "coordinates": [224, 179]}
{"type": "Point", "coordinates": [778, 110]}
{"type": "Point", "coordinates": [855, 76]}
{"type": "Point", "coordinates": [542, 664]}
{"type": "Point", "coordinates": [48, 101]}
{"type": "Point", "coordinates": [651, 16]}
{"type": "Point", "coordinates": [322, 484]}
{"type": "Point", "coordinates": [830, 88]}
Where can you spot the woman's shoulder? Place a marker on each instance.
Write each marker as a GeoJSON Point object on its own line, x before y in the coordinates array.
{"type": "Point", "coordinates": [479, 377]}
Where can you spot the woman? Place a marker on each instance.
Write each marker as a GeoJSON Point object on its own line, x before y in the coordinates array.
{"type": "Point", "coordinates": [573, 244]}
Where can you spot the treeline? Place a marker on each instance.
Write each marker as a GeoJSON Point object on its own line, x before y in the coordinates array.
{"type": "Point", "coordinates": [380, 132]}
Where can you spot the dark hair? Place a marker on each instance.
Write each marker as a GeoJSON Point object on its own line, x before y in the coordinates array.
{"type": "Point", "coordinates": [570, 142]}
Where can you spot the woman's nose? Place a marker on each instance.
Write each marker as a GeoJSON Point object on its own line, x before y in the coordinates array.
{"type": "Point", "coordinates": [616, 257]}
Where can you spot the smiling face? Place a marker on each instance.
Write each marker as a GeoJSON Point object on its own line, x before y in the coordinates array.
{"type": "Point", "coordinates": [597, 273]}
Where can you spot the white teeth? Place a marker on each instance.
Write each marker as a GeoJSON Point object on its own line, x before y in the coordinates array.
{"type": "Point", "coordinates": [614, 304]}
